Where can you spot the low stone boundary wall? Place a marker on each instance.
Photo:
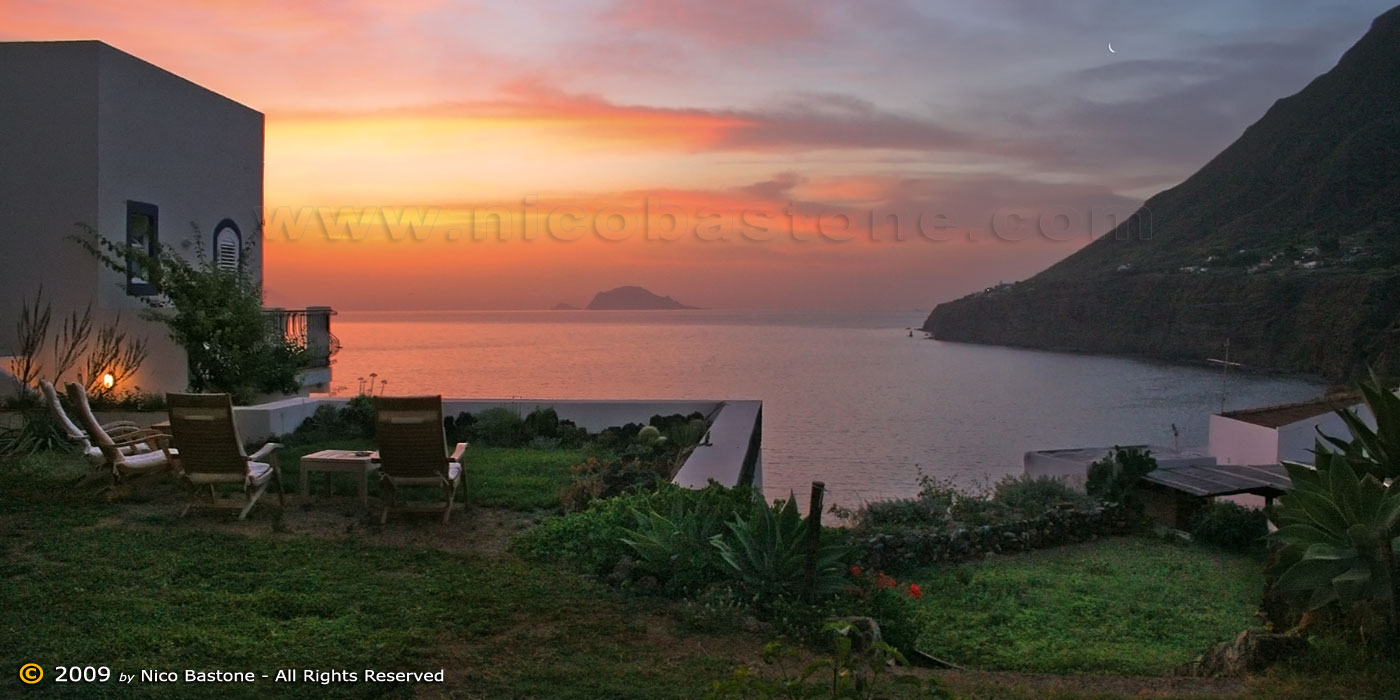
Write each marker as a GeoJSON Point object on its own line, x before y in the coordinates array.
{"type": "Point", "coordinates": [895, 551]}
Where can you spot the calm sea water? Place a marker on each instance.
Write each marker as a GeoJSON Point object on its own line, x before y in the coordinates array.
{"type": "Point", "coordinates": [849, 398]}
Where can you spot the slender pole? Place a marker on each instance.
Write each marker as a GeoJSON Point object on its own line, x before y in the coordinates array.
{"type": "Point", "coordinates": [1224, 374]}
{"type": "Point", "coordinates": [814, 536]}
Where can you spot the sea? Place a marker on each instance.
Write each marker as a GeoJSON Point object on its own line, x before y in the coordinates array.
{"type": "Point", "coordinates": [861, 401]}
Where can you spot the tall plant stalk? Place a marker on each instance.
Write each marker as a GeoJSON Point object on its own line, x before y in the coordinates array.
{"type": "Point", "coordinates": [71, 343]}
{"type": "Point", "coordinates": [113, 353]}
{"type": "Point", "coordinates": [31, 330]}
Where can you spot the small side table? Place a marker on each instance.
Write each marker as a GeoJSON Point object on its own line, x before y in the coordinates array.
{"type": "Point", "coordinates": [360, 463]}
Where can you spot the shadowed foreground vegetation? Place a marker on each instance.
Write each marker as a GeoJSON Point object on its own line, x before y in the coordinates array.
{"type": "Point", "coordinates": [128, 586]}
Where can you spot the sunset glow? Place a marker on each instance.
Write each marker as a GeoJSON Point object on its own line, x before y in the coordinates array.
{"type": "Point", "coordinates": [795, 147]}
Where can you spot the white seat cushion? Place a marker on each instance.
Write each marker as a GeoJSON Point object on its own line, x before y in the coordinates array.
{"type": "Point", "coordinates": [145, 460]}
{"type": "Point", "coordinates": [259, 472]}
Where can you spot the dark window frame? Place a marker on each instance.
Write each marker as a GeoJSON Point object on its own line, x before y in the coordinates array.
{"type": "Point", "coordinates": [237, 234]}
{"type": "Point", "coordinates": [151, 211]}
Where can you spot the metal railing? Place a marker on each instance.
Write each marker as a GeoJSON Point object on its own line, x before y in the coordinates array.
{"type": "Point", "coordinates": [309, 328]}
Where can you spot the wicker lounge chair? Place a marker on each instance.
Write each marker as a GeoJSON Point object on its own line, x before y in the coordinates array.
{"type": "Point", "coordinates": [413, 451]}
{"type": "Point", "coordinates": [211, 453]}
{"type": "Point", "coordinates": [129, 453]}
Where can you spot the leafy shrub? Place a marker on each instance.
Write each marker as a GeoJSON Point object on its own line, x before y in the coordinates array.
{"type": "Point", "coordinates": [355, 419]}
{"type": "Point", "coordinates": [944, 506]}
{"type": "Point", "coordinates": [885, 600]}
{"type": "Point", "coordinates": [605, 478]}
{"type": "Point", "coordinates": [1230, 526]}
{"type": "Point", "coordinates": [618, 437]}
{"type": "Point", "coordinates": [901, 513]}
{"type": "Point", "coordinates": [215, 314]}
{"type": "Point", "coordinates": [542, 422]}
{"type": "Point", "coordinates": [459, 428]}
{"type": "Point", "coordinates": [1033, 496]}
{"type": "Point", "coordinates": [588, 540]}
{"type": "Point", "coordinates": [500, 427]}
{"type": "Point", "coordinates": [1114, 478]}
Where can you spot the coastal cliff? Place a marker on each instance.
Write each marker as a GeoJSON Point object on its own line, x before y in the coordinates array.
{"type": "Point", "coordinates": [1286, 245]}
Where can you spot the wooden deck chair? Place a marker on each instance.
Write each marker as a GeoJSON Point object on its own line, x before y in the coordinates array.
{"type": "Point", "coordinates": [413, 451]}
{"type": "Point", "coordinates": [78, 436]}
{"type": "Point", "coordinates": [130, 453]}
{"type": "Point", "coordinates": [211, 453]}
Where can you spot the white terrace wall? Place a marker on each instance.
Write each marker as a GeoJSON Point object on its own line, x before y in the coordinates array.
{"type": "Point", "coordinates": [732, 455]}
{"type": "Point", "coordinates": [1235, 441]}
{"type": "Point", "coordinates": [1296, 441]}
{"type": "Point", "coordinates": [1238, 442]}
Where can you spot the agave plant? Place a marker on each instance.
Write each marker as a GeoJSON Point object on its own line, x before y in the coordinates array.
{"type": "Point", "coordinates": [1375, 451]}
{"type": "Point", "coordinates": [767, 553]}
{"type": "Point", "coordinates": [1341, 534]}
{"type": "Point", "coordinates": [676, 547]}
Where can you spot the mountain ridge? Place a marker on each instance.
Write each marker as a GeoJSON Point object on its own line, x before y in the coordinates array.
{"type": "Point", "coordinates": [1286, 245]}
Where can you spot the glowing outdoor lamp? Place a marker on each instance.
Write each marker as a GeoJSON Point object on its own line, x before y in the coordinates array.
{"type": "Point", "coordinates": [108, 381]}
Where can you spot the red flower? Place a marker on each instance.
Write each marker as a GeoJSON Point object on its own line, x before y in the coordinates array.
{"type": "Point", "coordinates": [883, 580]}
{"type": "Point", "coordinates": [915, 592]}
{"type": "Point", "coordinates": [855, 571]}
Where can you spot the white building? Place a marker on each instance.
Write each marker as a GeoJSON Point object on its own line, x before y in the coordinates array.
{"type": "Point", "coordinates": [1072, 465]}
{"type": "Point", "coordinates": [93, 136]}
{"type": "Point", "coordinates": [1284, 433]}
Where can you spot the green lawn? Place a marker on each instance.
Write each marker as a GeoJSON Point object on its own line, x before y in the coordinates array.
{"type": "Point", "coordinates": [519, 479]}
{"type": "Point", "coordinates": [80, 586]}
{"type": "Point", "coordinates": [1126, 605]}
{"type": "Point", "coordinates": [514, 478]}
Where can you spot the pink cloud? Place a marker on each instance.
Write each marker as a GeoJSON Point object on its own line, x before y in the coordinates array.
{"type": "Point", "coordinates": [723, 23]}
{"type": "Point", "coordinates": [802, 123]}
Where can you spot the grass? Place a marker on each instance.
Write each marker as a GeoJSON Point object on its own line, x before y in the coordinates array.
{"type": "Point", "coordinates": [519, 479]}
{"type": "Point", "coordinates": [522, 479]}
{"type": "Point", "coordinates": [83, 582]}
{"type": "Point", "coordinates": [1133, 606]}
{"type": "Point", "coordinates": [78, 589]}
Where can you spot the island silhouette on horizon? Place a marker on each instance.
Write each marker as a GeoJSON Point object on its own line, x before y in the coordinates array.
{"type": "Point", "coordinates": [627, 298]}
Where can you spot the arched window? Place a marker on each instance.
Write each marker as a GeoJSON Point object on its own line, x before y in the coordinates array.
{"type": "Point", "coordinates": [228, 246]}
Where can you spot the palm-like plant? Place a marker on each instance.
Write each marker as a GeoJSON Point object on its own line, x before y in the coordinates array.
{"type": "Point", "coordinates": [1375, 451]}
{"type": "Point", "coordinates": [1340, 534]}
{"type": "Point", "coordinates": [1340, 522]}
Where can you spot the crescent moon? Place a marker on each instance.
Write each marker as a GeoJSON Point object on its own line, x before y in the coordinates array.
{"type": "Point", "coordinates": [1110, 48]}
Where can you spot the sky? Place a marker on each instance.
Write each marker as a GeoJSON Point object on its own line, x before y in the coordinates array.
{"type": "Point", "coordinates": [880, 155]}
